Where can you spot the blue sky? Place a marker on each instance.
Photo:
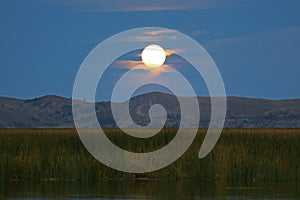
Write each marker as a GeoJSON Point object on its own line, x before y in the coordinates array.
{"type": "Point", "coordinates": [255, 44]}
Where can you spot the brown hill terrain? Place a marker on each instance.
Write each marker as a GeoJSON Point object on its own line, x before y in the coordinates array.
{"type": "Point", "coordinates": [55, 111]}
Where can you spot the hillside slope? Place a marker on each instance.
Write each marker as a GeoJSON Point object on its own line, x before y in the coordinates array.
{"type": "Point", "coordinates": [55, 111]}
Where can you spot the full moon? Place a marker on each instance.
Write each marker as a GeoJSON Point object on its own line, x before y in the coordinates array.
{"type": "Point", "coordinates": [153, 55]}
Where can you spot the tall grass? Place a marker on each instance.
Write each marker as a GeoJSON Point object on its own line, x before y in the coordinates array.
{"type": "Point", "coordinates": [241, 155]}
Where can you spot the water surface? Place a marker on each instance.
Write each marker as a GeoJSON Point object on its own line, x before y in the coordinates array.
{"type": "Point", "coordinates": [148, 190]}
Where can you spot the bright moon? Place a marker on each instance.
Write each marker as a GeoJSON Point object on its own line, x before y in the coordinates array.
{"type": "Point", "coordinates": [153, 55]}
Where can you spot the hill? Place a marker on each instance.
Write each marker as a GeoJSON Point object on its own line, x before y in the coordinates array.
{"type": "Point", "coordinates": [56, 112]}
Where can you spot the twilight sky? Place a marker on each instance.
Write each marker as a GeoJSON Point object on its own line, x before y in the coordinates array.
{"type": "Point", "coordinates": [255, 44]}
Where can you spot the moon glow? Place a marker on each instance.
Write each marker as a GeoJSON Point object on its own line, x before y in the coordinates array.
{"type": "Point", "coordinates": [153, 55]}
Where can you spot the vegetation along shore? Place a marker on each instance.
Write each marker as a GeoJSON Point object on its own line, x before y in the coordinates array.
{"type": "Point", "coordinates": [241, 155]}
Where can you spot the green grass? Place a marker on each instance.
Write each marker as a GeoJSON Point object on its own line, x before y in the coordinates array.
{"type": "Point", "coordinates": [241, 155]}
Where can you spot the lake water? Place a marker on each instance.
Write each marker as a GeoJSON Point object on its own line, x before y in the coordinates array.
{"type": "Point", "coordinates": [144, 190]}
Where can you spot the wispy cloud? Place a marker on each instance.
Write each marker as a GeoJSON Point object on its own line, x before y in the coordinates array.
{"type": "Point", "coordinates": [168, 52]}
{"type": "Point", "coordinates": [139, 65]}
{"type": "Point", "coordinates": [198, 33]}
{"type": "Point", "coordinates": [153, 36]}
{"type": "Point", "coordinates": [260, 54]}
{"type": "Point", "coordinates": [135, 5]}
{"type": "Point", "coordinates": [159, 32]}
{"type": "Point", "coordinates": [282, 37]}
{"type": "Point", "coordinates": [173, 51]}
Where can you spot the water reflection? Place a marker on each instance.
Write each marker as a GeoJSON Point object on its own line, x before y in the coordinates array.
{"type": "Point", "coordinates": [147, 190]}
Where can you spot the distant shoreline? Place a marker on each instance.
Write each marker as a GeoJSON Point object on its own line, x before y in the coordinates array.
{"type": "Point", "coordinates": [56, 112]}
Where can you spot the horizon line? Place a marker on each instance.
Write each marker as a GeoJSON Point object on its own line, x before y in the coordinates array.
{"type": "Point", "coordinates": [138, 95]}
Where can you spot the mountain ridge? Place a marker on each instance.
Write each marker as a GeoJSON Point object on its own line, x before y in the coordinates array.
{"type": "Point", "coordinates": [53, 111]}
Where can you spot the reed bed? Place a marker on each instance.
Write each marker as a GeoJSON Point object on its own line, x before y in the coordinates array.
{"type": "Point", "coordinates": [241, 155]}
